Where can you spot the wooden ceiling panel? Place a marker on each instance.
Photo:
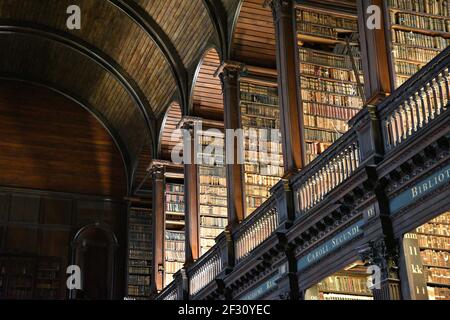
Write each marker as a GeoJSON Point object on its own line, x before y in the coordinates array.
{"type": "Point", "coordinates": [254, 35]}
{"type": "Point", "coordinates": [186, 22]}
{"type": "Point", "coordinates": [208, 97]}
{"type": "Point", "coordinates": [44, 61]}
{"type": "Point", "coordinates": [111, 31]}
{"type": "Point", "coordinates": [169, 138]}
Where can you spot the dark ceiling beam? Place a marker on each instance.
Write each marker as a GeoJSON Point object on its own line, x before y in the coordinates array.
{"type": "Point", "coordinates": [126, 159]}
{"type": "Point", "coordinates": [162, 40]}
{"type": "Point", "coordinates": [92, 53]}
{"type": "Point", "coordinates": [219, 19]}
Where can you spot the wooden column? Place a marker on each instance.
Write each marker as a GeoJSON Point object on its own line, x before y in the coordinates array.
{"type": "Point", "coordinates": [235, 172]}
{"type": "Point", "coordinates": [375, 51]}
{"type": "Point", "coordinates": [191, 195]}
{"type": "Point", "coordinates": [157, 173]}
{"type": "Point", "coordinates": [288, 85]}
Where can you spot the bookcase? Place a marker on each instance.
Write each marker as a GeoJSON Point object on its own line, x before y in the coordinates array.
{"type": "Point", "coordinates": [212, 188]}
{"type": "Point", "coordinates": [139, 252]}
{"type": "Point", "coordinates": [432, 242]}
{"type": "Point", "coordinates": [420, 30]}
{"type": "Point", "coordinates": [330, 71]}
{"type": "Point", "coordinates": [348, 284]}
{"type": "Point", "coordinates": [174, 244]}
{"type": "Point", "coordinates": [260, 120]}
{"type": "Point", "coordinates": [31, 277]}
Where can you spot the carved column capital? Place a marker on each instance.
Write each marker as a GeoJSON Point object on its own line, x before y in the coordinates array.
{"type": "Point", "coordinates": [230, 73]}
{"type": "Point", "coordinates": [279, 8]}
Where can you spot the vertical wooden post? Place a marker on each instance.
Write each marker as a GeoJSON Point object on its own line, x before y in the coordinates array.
{"type": "Point", "coordinates": [235, 173]}
{"type": "Point", "coordinates": [191, 195]}
{"type": "Point", "coordinates": [158, 221]}
{"type": "Point", "coordinates": [378, 75]}
{"type": "Point", "coordinates": [288, 85]}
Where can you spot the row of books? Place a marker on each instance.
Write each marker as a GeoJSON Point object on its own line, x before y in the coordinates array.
{"type": "Point", "coordinates": [140, 263]}
{"type": "Point", "coordinates": [314, 17]}
{"type": "Point", "coordinates": [434, 242]}
{"type": "Point", "coordinates": [174, 207]}
{"type": "Point", "coordinates": [421, 55]}
{"type": "Point", "coordinates": [325, 123]}
{"type": "Point", "coordinates": [434, 228]}
{"type": "Point", "coordinates": [436, 7]}
{"type": "Point", "coordinates": [323, 31]}
{"type": "Point", "coordinates": [175, 236]}
{"type": "Point", "coordinates": [141, 228]}
{"type": "Point", "coordinates": [255, 179]}
{"type": "Point", "coordinates": [173, 267]}
{"type": "Point", "coordinates": [328, 111]}
{"type": "Point", "coordinates": [260, 123]}
{"type": "Point", "coordinates": [213, 180]}
{"type": "Point", "coordinates": [442, 219]}
{"type": "Point", "coordinates": [139, 280]}
{"type": "Point", "coordinates": [140, 236]}
{"type": "Point", "coordinates": [265, 170]}
{"type": "Point", "coordinates": [438, 275]}
{"type": "Point", "coordinates": [139, 245]}
{"type": "Point", "coordinates": [436, 293]}
{"type": "Point", "coordinates": [260, 110]}
{"type": "Point", "coordinates": [316, 147]}
{"type": "Point", "coordinates": [213, 211]}
{"type": "Point", "coordinates": [248, 97]}
{"type": "Point", "coordinates": [210, 233]}
{"type": "Point", "coordinates": [406, 68]}
{"type": "Point", "coordinates": [328, 59]}
{"type": "Point", "coordinates": [264, 155]}
{"type": "Point", "coordinates": [139, 270]}
{"type": "Point", "coordinates": [255, 202]}
{"type": "Point", "coordinates": [138, 291]}
{"type": "Point", "coordinates": [175, 255]}
{"type": "Point", "coordinates": [435, 258]}
{"type": "Point", "coordinates": [331, 99]}
{"type": "Point", "coordinates": [174, 198]}
{"type": "Point", "coordinates": [214, 222]}
{"type": "Point", "coordinates": [140, 254]}
{"type": "Point", "coordinates": [174, 188]}
{"type": "Point", "coordinates": [420, 40]}
{"type": "Point", "coordinates": [206, 244]}
{"type": "Point", "coordinates": [347, 284]}
{"type": "Point", "coordinates": [321, 136]}
{"type": "Point", "coordinates": [417, 21]}
{"type": "Point", "coordinates": [259, 94]}
{"type": "Point", "coordinates": [220, 191]}
{"type": "Point", "coordinates": [209, 200]}
{"type": "Point", "coordinates": [258, 191]}
{"type": "Point", "coordinates": [139, 221]}
{"type": "Point", "coordinates": [333, 87]}
{"type": "Point", "coordinates": [327, 72]}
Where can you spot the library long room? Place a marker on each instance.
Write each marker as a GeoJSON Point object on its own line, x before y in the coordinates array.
{"type": "Point", "coordinates": [222, 150]}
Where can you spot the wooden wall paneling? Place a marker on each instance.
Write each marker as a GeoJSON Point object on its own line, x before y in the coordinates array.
{"type": "Point", "coordinates": [51, 143]}
{"type": "Point", "coordinates": [22, 239]}
{"type": "Point", "coordinates": [56, 211]}
{"type": "Point", "coordinates": [25, 209]}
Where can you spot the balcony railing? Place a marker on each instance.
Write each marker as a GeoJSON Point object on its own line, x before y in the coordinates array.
{"type": "Point", "coordinates": [413, 108]}
{"type": "Point", "coordinates": [256, 229]}
{"type": "Point", "coordinates": [206, 269]}
{"type": "Point", "coordinates": [420, 101]}
{"type": "Point", "coordinates": [327, 172]}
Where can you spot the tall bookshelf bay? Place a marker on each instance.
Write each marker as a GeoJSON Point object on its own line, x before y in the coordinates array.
{"type": "Point", "coordinates": [330, 71]}
{"type": "Point", "coordinates": [260, 120]}
{"type": "Point", "coordinates": [212, 188]}
{"type": "Point", "coordinates": [420, 30]}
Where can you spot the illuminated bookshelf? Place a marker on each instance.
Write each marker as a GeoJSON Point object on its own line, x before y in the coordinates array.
{"type": "Point", "coordinates": [260, 113]}
{"type": "Point", "coordinates": [174, 244]}
{"type": "Point", "coordinates": [420, 30]}
{"type": "Point", "coordinates": [212, 190]}
{"type": "Point", "coordinates": [330, 73]}
{"type": "Point", "coordinates": [139, 252]}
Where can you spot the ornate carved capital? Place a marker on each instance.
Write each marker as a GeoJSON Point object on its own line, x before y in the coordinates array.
{"type": "Point", "coordinates": [381, 255]}
{"type": "Point", "coordinates": [280, 8]}
{"type": "Point", "coordinates": [230, 73]}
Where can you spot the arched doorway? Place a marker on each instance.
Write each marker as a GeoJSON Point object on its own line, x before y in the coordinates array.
{"type": "Point", "coordinates": [94, 251]}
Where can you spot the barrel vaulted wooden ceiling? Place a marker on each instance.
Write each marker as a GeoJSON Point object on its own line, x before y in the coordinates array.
{"type": "Point", "coordinates": [128, 63]}
{"type": "Point", "coordinates": [133, 58]}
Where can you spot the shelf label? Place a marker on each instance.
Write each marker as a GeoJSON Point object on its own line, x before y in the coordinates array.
{"type": "Point", "coordinates": [440, 178]}
{"type": "Point", "coordinates": [331, 245]}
